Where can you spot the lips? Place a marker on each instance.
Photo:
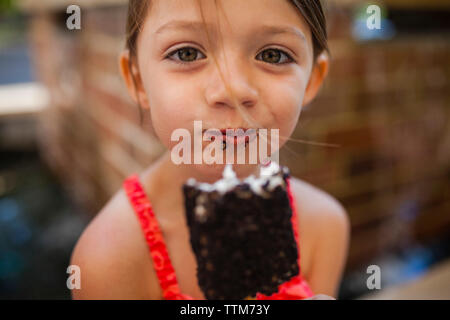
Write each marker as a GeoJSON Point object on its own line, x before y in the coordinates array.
{"type": "Point", "coordinates": [234, 136]}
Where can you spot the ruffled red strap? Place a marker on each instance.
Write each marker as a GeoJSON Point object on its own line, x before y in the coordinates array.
{"type": "Point", "coordinates": [154, 238]}
{"type": "Point", "coordinates": [294, 218]}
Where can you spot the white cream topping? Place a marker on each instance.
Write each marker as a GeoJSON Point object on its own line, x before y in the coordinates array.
{"type": "Point", "coordinates": [270, 170]}
{"type": "Point", "coordinates": [228, 172]}
{"type": "Point", "coordinates": [229, 180]}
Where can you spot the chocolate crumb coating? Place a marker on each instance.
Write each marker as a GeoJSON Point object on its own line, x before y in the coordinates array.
{"type": "Point", "coordinates": [243, 240]}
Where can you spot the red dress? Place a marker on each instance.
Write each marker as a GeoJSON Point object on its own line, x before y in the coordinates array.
{"type": "Point", "coordinates": [294, 289]}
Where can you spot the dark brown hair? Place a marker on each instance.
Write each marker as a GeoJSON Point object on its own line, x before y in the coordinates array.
{"type": "Point", "coordinates": [311, 10]}
{"type": "Point", "coordinates": [137, 11]}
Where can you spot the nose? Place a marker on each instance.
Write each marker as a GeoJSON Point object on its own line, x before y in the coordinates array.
{"type": "Point", "coordinates": [238, 79]}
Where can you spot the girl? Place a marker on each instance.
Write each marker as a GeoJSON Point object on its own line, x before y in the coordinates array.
{"type": "Point", "coordinates": [230, 64]}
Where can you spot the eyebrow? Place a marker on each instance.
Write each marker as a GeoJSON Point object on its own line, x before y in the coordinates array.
{"type": "Point", "coordinates": [262, 30]}
{"type": "Point", "coordinates": [275, 30]}
{"type": "Point", "coordinates": [180, 24]}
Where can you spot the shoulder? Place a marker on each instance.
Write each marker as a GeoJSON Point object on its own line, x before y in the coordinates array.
{"type": "Point", "coordinates": [110, 254]}
{"type": "Point", "coordinates": [320, 209]}
{"type": "Point", "coordinates": [325, 225]}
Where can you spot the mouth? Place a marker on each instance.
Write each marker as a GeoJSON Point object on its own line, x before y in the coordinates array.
{"type": "Point", "coordinates": [234, 136]}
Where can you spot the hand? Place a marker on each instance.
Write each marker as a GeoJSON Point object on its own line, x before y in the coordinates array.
{"type": "Point", "coordinates": [320, 297]}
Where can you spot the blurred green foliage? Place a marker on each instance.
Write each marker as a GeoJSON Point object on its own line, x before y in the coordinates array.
{"type": "Point", "coordinates": [360, 10]}
{"type": "Point", "coordinates": [7, 6]}
{"type": "Point", "coordinates": [12, 23]}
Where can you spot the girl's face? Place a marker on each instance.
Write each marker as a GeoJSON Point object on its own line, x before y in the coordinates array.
{"type": "Point", "coordinates": [264, 50]}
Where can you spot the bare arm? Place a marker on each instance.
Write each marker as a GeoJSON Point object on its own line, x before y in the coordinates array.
{"type": "Point", "coordinates": [111, 257]}
{"type": "Point", "coordinates": [330, 250]}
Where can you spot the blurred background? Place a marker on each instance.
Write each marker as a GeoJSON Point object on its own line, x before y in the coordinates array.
{"type": "Point", "coordinates": [69, 135]}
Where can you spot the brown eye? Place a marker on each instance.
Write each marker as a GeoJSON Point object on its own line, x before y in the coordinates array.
{"type": "Point", "coordinates": [187, 54]}
{"type": "Point", "coordinates": [275, 56]}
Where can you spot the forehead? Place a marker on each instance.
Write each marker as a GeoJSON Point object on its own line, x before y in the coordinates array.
{"type": "Point", "coordinates": [231, 16]}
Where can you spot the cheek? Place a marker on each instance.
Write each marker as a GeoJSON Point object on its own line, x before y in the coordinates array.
{"type": "Point", "coordinates": [170, 106]}
{"type": "Point", "coordinates": [286, 105]}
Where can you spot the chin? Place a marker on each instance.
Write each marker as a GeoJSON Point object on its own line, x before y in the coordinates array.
{"type": "Point", "coordinates": [213, 172]}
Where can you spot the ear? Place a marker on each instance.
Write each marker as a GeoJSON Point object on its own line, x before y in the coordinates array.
{"type": "Point", "coordinates": [318, 75]}
{"type": "Point", "coordinates": [133, 81]}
